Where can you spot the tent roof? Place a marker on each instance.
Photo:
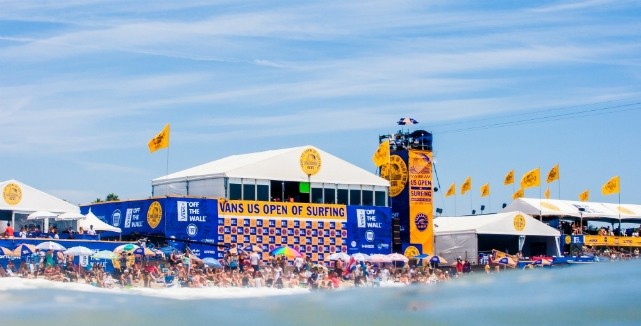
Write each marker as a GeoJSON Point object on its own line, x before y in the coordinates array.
{"type": "Point", "coordinates": [499, 223]}
{"type": "Point", "coordinates": [34, 200]}
{"type": "Point", "coordinates": [570, 208]}
{"type": "Point", "coordinates": [98, 225]}
{"type": "Point", "coordinates": [281, 164]}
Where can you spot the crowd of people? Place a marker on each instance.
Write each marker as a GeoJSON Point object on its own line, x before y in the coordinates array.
{"type": "Point", "coordinates": [586, 229]}
{"type": "Point", "coordinates": [34, 231]}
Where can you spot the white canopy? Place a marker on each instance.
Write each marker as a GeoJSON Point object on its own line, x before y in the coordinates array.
{"type": "Point", "coordinates": [570, 208]}
{"type": "Point", "coordinates": [282, 164]}
{"type": "Point", "coordinates": [28, 200]}
{"type": "Point", "coordinates": [98, 225]}
{"type": "Point", "coordinates": [70, 216]}
{"type": "Point", "coordinates": [499, 223]}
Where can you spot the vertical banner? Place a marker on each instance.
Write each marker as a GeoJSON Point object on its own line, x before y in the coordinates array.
{"type": "Point", "coordinates": [421, 211]}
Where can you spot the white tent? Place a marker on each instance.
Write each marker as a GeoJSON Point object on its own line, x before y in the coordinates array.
{"type": "Point", "coordinates": [98, 225]}
{"type": "Point", "coordinates": [460, 236]}
{"type": "Point", "coordinates": [282, 165]}
{"type": "Point", "coordinates": [570, 208]}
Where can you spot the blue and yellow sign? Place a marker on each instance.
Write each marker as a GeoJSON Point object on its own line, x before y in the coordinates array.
{"type": "Point", "coordinates": [242, 208]}
{"type": "Point", "coordinates": [420, 196]}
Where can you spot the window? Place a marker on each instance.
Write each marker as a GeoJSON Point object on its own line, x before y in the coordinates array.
{"type": "Point", "coordinates": [249, 192]}
{"type": "Point", "coordinates": [330, 196]}
{"type": "Point", "coordinates": [368, 198]}
{"type": "Point", "coordinates": [235, 191]}
{"type": "Point", "coordinates": [354, 197]}
{"type": "Point", "coordinates": [343, 197]}
{"type": "Point", "coordinates": [379, 198]}
{"type": "Point", "coordinates": [317, 195]}
{"type": "Point", "coordinates": [262, 192]}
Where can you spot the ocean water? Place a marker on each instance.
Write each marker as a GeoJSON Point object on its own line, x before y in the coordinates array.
{"type": "Point", "coordinates": [598, 294]}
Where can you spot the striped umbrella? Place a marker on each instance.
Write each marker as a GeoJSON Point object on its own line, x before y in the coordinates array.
{"type": "Point", "coordinates": [286, 251]}
{"type": "Point", "coordinates": [438, 260]}
{"type": "Point", "coordinates": [507, 261]}
{"type": "Point", "coordinates": [24, 249]}
{"type": "Point", "coordinates": [145, 251]}
{"type": "Point", "coordinates": [407, 121]}
{"type": "Point", "coordinates": [542, 262]}
{"type": "Point", "coordinates": [6, 252]}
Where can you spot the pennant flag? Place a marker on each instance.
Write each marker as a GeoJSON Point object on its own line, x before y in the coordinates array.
{"type": "Point", "coordinates": [467, 186]}
{"type": "Point", "coordinates": [518, 194]}
{"type": "Point", "coordinates": [584, 196]}
{"type": "Point", "coordinates": [161, 140]}
{"type": "Point", "coordinates": [509, 178]}
{"type": "Point", "coordinates": [451, 191]}
{"type": "Point", "coordinates": [612, 187]}
{"type": "Point", "coordinates": [531, 179]}
{"type": "Point", "coordinates": [382, 154]}
{"type": "Point", "coordinates": [553, 174]}
{"type": "Point", "coordinates": [547, 193]}
{"type": "Point", "coordinates": [485, 190]}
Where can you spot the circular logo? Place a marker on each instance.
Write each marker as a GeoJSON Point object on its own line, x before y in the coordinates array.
{"type": "Point", "coordinates": [420, 164]}
{"type": "Point", "coordinates": [421, 222]}
{"type": "Point", "coordinates": [115, 218]}
{"type": "Point", "coordinates": [625, 210]}
{"type": "Point", "coordinates": [396, 173]}
{"type": "Point", "coordinates": [519, 222]}
{"type": "Point", "coordinates": [192, 230]}
{"type": "Point", "coordinates": [310, 161]}
{"type": "Point", "coordinates": [411, 251]}
{"type": "Point", "coordinates": [353, 244]}
{"type": "Point", "coordinates": [568, 239]}
{"type": "Point", "coordinates": [154, 214]}
{"type": "Point", "coordinates": [12, 194]}
{"type": "Point", "coordinates": [369, 235]}
{"type": "Point", "coordinates": [550, 206]}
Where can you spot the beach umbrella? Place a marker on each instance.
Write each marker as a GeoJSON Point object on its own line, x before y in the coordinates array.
{"type": "Point", "coordinates": [438, 260]}
{"type": "Point", "coordinates": [79, 251]}
{"type": "Point", "coordinates": [422, 256]}
{"type": "Point", "coordinates": [49, 245]}
{"type": "Point", "coordinates": [6, 252]}
{"type": "Point", "coordinates": [70, 216]}
{"type": "Point", "coordinates": [361, 257]}
{"type": "Point", "coordinates": [41, 215]}
{"type": "Point", "coordinates": [378, 258]}
{"type": "Point", "coordinates": [211, 262]}
{"type": "Point", "coordinates": [286, 251]}
{"type": "Point", "coordinates": [126, 247]}
{"type": "Point", "coordinates": [407, 121]}
{"type": "Point", "coordinates": [145, 251]}
{"type": "Point", "coordinates": [252, 248]}
{"type": "Point", "coordinates": [24, 249]}
{"type": "Point", "coordinates": [507, 261]}
{"type": "Point", "coordinates": [397, 257]}
{"type": "Point", "coordinates": [542, 262]}
{"type": "Point", "coordinates": [339, 255]}
{"type": "Point", "coordinates": [105, 254]}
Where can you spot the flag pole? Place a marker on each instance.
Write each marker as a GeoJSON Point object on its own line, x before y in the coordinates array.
{"type": "Point", "coordinates": [455, 195]}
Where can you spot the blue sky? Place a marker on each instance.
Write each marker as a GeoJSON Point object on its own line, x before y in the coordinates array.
{"type": "Point", "coordinates": [85, 84]}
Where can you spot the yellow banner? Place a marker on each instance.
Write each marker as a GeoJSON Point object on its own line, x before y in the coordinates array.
{"type": "Point", "coordinates": [547, 193]}
{"type": "Point", "coordinates": [553, 174]}
{"type": "Point", "coordinates": [612, 187]}
{"type": "Point", "coordinates": [467, 185]}
{"type": "Point", "coordinates": [382, 154]}
{"type": "Point", "coordinates": [485, 190]}
{"type": "Point", "coordinates": [509, 178]}
{"type": "Point", "coordinates": [585, 196]}
{"type": "Point", "coordinates": [597, 240]}
{"type": "Point", "coordinates": [421, 210]}
{"type": "Point", "coordinates": [531, 179]}
{"type": "Point", "coordinates": [258, 209]}
{"type": "Point", "coordinates": [161, 140]}
{"type": "Point", "coordinates": [518, 194]}
{"type": "Point", "coordinates": [451, 191]}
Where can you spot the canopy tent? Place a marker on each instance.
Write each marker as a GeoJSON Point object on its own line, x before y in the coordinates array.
{"type": "Point", "coordinates": [468, 235]}
{"type": "Point", "coordinates": [98, 225]}
{"type": "Point", "coordinates": [570, 208]}
{"type": "Point", "coordinates": [282, 165]}
{"type": "Point", "coordinates": [20, 200]}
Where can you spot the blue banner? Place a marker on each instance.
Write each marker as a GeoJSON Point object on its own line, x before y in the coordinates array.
{"type": "Point", "coordinates": [193, 219]}
{"type": "Point", "coordinates": [400, 203]}
{"type": "Point", "coordinates": [369, 230]}
{"type": "Point", "coordinates": [141, 216]}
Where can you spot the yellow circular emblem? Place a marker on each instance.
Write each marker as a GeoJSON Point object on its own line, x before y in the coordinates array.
{"type": "Point", "coordinates": [568, 239]}
{"type": "Point", "coordinates": [310, 161]}
{"type": "Point", "coordinates": [396, 173]}
{"type": "Point", "coordinates": [550, 206]}
{"type": "Point", "coordinates": [411, 251]}
{"type": "Point", "coordinates": [154, 214]}
{"type": "Point", "coordinates": [519, 222]}
{"type": "Point", "coordinates": [12, 194]}
{"type": "Point", "coordinates": [625, 210]}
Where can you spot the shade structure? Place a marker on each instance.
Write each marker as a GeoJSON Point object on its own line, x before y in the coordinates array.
{"type": "Point", "coordinates": [98, 225]}
{"type": "Point", "coordinates": [542, 262]}
{"type": "Point", "coordinates": [70, 216]}
{"type": "Point", "coordinates": [361, 257]}
{"type": "Point", "coordinates": [41, 215]}
{"type": "Point", "coordinates": [406, 121]}
{"type": "Point", "coordinates": [24, 249]}
{"type": "Point", "coordinates": [339, 255]}
{"type": "Point", "coordinates": [49, 245]}
{"type": "Point", "coordinates": [105, 254]}
{"type": "Point", "coordinates": [145, 251]}
{"type": "Point", "coordinates": [287, 252]}
{"type": "Point", "coordinates": [438, 260]}
{"type": "Point", "coordinates": [378, 258]}
{"type": "Point", "coordinates": [78, 251]}
{"type": "Point", "coordinates": [126, 247]}
{"type": "Point", "coordinates": [397, 257]}
{"type": "Point", "coordinates": [28, 200]}
{"type": "Point", "coordinates": [6, 252]}
{"type": "Point", "coordinates": [211, 262]}
{"type": "Point", "coordinates": [506, 261]}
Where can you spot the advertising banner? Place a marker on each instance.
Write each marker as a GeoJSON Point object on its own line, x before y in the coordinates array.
{"type": "Point", "coordinates": [240, 208]}
{"type": "Point", "coordinates": [369, 230]}
{"type": "Point", "coordinates": [421, 213]}
{"type": "Point", "coordinates": [597, 240]}
{"type": "Point", "coordinates": [396, 172]}
{"type": "Point", "coordinates": [193, 219]}
{"type": "Point", "coordinates": [141, 216]}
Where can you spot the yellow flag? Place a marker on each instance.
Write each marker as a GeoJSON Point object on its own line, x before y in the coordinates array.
{"type": "Point", "coordinates": [382, 154]}
{"type": "Point", "coordinates": [612, 187]}
{"type": "Point", "coordinates": [467, 186]}
{"type": "Point", "coordinates": [553, 174]}
{"type": "Point", "coordinates": [584, 196]}
{"type": "Point", "coordinates": [509, 178]}
{"type": "Point", "coordinates": [531, 179]}
{"type": "Point", "coordinates": [547, 193]}
{"type": "Point", "coordinates": [451, 191]}
{"type": "Point", "coordinates": [160, 141]}
{"type": "Point", "coordinates": [485, 190]}
{"type": "Point", "coordinates": [518, 194]}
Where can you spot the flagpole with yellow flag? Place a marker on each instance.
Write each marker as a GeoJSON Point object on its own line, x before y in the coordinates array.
{"type": "Point", "coordinates": [485, 192]}
{"type": "Point", "coordinates": [467, 186]}
{"type": "Point", "coordinates": [613, 186]}
{"type": "Point", "coordinates": [160, 141]}
{"type": "Point", "coordinates": [533, 179]}
{"type": "Point", "coordinates": [552, 176]}
{"type": "Point", "coordinates": [452, 192]}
